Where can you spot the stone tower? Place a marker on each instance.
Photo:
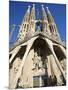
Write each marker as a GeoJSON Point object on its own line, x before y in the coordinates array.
{"type": "Point", "coordinates": [38, 57]}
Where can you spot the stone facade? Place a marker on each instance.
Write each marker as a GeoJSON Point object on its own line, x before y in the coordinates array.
{"type": "Point", "coordinates": [38, 59]}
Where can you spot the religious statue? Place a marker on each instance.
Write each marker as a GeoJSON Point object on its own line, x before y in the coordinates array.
{"type": "Point", "coordinates": [37, 61]}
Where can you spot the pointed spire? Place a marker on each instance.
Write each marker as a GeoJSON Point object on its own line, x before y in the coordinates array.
{"type": "Point", "coordinates": [33, 6]}
{"type": "Point", "coordinates": [31, 28]}
{"type": "Point", "coordinates": [26, 17]}
{"type": "Point", "coordinates": [44, 16]}
{"type": "Point", "coordinates": [24, 25]}
{"type": "Point", "coordinates": [45, 20]}
{"type": "Point", "coordinates": [50, 18]}
{"type": "Point", "coordinates": [52, 23]}
{"type": "Point", "coordinates": [28, 10]}
{"type": "Point", "coordinates": [32, 16]}
{"type": "Point", "coordinates": [42, 7]}
{"type": "Point", "coordinates": [47, 7]}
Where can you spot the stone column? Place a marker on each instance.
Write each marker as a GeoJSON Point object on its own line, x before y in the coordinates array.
{"type": "Point", "coordinates": [50, 44]}
{"type": "Point", "coordinates": [56, 70]}
{"type": "Point", "coordinates": [29, 45]}
{"type": "Point", "coordinates": [14, 53]}
{"type": "Point", "coordinates": [40, 80]}
{"type": "Point", "coordinates": [49, 66]}
{"type": "Point", "coordinates": [63, 50]}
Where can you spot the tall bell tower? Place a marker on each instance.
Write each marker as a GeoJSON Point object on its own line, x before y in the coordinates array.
{"type": "Point", "coordinates": [38, 57]}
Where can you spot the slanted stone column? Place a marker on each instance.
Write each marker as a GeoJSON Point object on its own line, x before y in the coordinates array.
{"type": "Point", "coordinates": [63, 49]}
{"type": "Point", "coordinates": [29, 45]}
{"type": "Point", "coordinates": [14, 53]}
{"type": "Point", "coordinates": [56, 60]}
{"type": "Point", "coordinates": [56, 70]}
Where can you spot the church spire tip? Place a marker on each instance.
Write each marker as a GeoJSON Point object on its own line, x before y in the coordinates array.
{"type": "Point", "coordinates": [47, 8]}
{"type": "Point", "coordinates": [33, 6]}
{"type": "Point", "coordinates": [42, 5]}
{"type": "Point", "coordinates": [28, 8]}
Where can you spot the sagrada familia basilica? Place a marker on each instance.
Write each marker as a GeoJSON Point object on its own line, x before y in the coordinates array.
{"type": "Point", "coordinates": [38, 57]}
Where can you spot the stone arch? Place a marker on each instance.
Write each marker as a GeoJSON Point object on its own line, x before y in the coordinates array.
{"type": "Point", "coordinates": [40, 47]}
{"type": "Point", "coordinates": [40, 42]}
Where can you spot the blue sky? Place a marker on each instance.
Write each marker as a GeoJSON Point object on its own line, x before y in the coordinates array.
{"type": "Point", "coordinates": [17, 10]}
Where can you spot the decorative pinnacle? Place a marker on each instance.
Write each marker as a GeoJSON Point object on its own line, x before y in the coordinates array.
{"type": "Point", "coordinates": [33, 6]}
{"type": "Point", "coordinates": [42, 6]}
{"type": "Point", "coordinates": [47, 8]}
{"type": "Point", "coordinates": [28, 9]}
{"type": "Point", "coordinates": [29, 6]}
